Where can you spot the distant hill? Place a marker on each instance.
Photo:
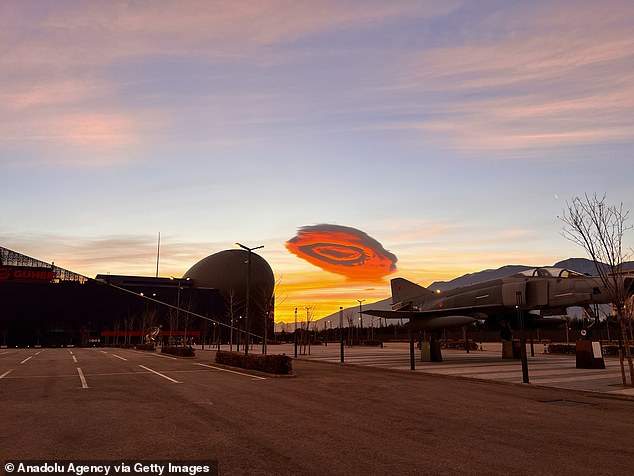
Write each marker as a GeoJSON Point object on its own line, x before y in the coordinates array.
{"type": "Point", "coordinates": [580, 265]}
{"type": "Point", "coordinates": [486, 275]}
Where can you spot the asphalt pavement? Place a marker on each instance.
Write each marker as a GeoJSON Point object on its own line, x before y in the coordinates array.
{"type": "Point", "coordinates": [116, 404]}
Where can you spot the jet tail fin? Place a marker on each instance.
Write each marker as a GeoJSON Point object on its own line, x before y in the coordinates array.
{"type": "Point", "coordinates": [403, 291]}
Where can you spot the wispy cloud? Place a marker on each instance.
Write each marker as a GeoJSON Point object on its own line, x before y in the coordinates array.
{"type": "Point", "coordinates": [38, 93]}
{"type": "Point", "coordinates": [70, 74]}
{"type": "Point", "coordinates": [114, 254]}
{"type": "Point", "coordinates": [111, 30]}
{"type": "Point", "coordinates": [84, 139]}
{"type": "Point", "coordinates": [557, 78]}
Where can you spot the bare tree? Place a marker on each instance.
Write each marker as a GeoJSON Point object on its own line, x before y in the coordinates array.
{"type": "Point", "coordinates": [232, 305]}
{"type": "Point", "coordinates": [265, 301]}
{"type": "Point", "coordinates": [599, 228]}
{"type": "Point", "coordinates": [305, 335]}
{"type": "Point", "coordinates": [148, 322]}
{"type": "Point", "coordinates": [276, 300]}
{"type": "Point", "coordinates": [190, 304]}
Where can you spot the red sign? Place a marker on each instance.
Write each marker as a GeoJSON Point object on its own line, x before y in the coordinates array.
{"type": "Point", "coordinates": [27, 274]}
{"type": "Point", "coordinates": [190, 333]}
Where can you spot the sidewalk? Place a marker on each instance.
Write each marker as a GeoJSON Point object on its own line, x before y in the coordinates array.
{"type": "Point", "coordinates": [551, 370]}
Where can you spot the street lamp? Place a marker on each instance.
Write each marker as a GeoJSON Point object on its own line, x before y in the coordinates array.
{"type": "Point", "coordinates": [341, 331]}
{"type": "Point", "coordinates": [295, 333]}
{"type": "Point", "coordinates": [246, 317]}
{"type": "Point", "coordinates": [307, 342]}
{"type": "Point", "coordinates": [360, 318]}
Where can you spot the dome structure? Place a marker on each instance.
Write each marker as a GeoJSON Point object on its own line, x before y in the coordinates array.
{"type": "Point", "coordinates": [227, 271]}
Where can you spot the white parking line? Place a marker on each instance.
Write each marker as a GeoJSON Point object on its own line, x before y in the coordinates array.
{"type": "Point", "coordinates": [82, 378]}
{"type": "Point", "coordinates": [160, 355]}
{"type": "Point", "coordinates": [28, 358]}
{"type": "Point", "coordinates": [159, 374]}
{"type": "Point", "coordinates": [119, 357]}
{"type": "Point", "coordinates": [5, 374]}
{"type": "Point", "coordinates": [71, 352]}
{"type": "Point", "coordinates": [232, 371]}
{"type": "Point", "coordinates": [74, 359]}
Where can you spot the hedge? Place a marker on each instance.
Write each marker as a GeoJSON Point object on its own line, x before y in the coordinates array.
{"type": "Point", "coordinates": [178, 351]}
{"type": "Point", "coordinates": [272, 364]}
{"type": "Point", "coordinates": [146, 347]}
{"type": "Point", "coordinates": [562, 348]}
{"type": "Point", "coordinates": [607, 349]}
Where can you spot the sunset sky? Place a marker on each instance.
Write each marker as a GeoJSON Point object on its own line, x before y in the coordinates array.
{"type": "Point", "coordinates": [451, 132]}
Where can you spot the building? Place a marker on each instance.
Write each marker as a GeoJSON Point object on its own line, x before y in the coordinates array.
{"type": "Point", "coordinates": [44, 305]}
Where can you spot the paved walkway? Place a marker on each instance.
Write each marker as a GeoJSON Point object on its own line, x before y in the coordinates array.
{"type": "Point", "coordinates": [549, 370]}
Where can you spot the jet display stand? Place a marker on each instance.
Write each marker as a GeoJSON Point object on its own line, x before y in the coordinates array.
{"type": "Point", "coordinates": [512, 349]}
{"type": "Point", "coordinates": [430, 351]}
{"type": "Point", "coordinates": [589, 355]}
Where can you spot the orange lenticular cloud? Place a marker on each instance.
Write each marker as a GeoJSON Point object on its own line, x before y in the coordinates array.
{"type": "Point", "coordinates": [343, 250]}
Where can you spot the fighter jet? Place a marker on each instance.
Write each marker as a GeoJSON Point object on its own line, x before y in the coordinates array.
{"type": "Point", "coordinates": [542, 292]}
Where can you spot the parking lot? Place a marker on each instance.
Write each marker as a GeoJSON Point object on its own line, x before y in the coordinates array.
{"type": "Point", "coordinates": [108, 404]}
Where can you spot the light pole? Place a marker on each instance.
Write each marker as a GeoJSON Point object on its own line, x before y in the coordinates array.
{"type": "Point", "coordinates": [307, 342]}
{"type": "Point", "coordinates": [520, 318]}
{"type": "Point", "coordinates": [295, 333]}
{"type": "Point", "coordinates": [246, 317]}
{"type": "Point", "coordinates": [266, 321]}
{"type": "Point", "coordinates": [360, 319]}
{"type": "Point", "coordinates": [341, 331]}
{"type": "Point", "coordinates": [231, 335]}
{"type": "Point", "coordinates": [178, 309]}
{"type": "Point", "coordinates": [178, 301]}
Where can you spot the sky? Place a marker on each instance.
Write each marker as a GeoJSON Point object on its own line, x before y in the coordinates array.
{"type": "Point", "coordinates": [452, 133]}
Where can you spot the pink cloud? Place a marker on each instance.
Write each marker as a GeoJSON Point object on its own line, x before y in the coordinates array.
{"type": "Point", "coordinates": [82, 139]}
{"type": "Point", "coordinates": [558, 78]}
{"type": "Point", "coordinates": [42, 93]}
{"type": "Point", "coordinates": [95, 32]}
{"type": "Point", "coordinates": [95, 130]}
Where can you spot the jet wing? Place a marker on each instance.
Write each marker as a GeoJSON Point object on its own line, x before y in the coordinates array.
{"type": "Point", "coordinates": [389, 314]}
{"type": "Point", "coordinates": [476, 312]}
{"type": "Point", "coordinates": [429, 319]}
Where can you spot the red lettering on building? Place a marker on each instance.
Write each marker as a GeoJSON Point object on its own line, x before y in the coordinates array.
{"type": "Point", "coordinates": [27, 274]}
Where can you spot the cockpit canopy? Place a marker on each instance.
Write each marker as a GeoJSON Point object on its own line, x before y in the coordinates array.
{"type": "Point", "coordinates": [550, 273]}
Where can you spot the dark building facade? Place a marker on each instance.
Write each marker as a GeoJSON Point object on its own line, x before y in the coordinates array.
{"type": "Point", "coordinates": [42, 304]}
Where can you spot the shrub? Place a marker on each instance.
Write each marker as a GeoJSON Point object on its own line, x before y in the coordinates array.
{"type": "Point", "coordinates": [273, 364]}
{"type": "Point", "coordinates": [456, 344]}
{"type": "Point", "coordinates": [178, 351]}
{"type": "Point", "coordinates": [562, 348]}
{"type": "Point", "coordinates": [371, 343]}
{"type": "Point", "coordinates": [146, 347]}
{"type": "Point", "coordinates": [610, 349]}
